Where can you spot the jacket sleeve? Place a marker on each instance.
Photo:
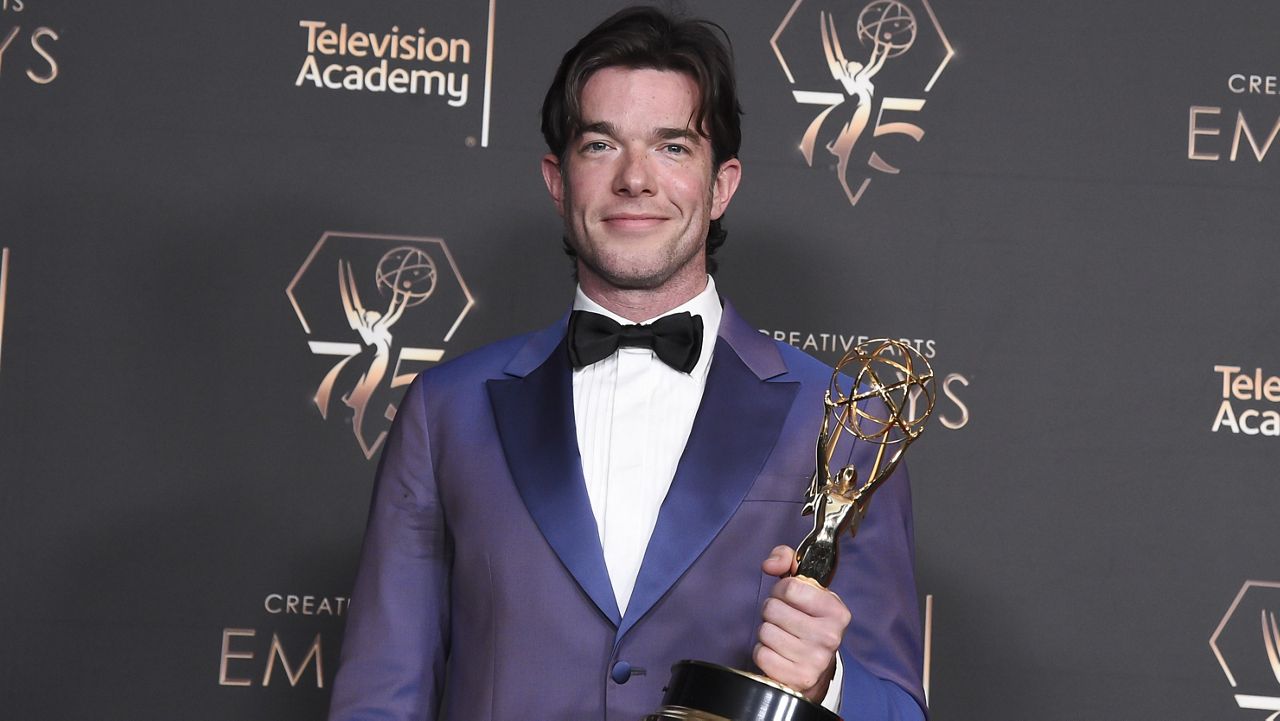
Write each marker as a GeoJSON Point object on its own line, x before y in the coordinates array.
{"type": "Point", "coordinates": [397, 633]}
{"type": "Point", "coordinates": [882, 649]}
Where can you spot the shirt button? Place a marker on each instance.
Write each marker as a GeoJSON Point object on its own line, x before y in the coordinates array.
{"type": "Point", "coordinates": [621, 672]}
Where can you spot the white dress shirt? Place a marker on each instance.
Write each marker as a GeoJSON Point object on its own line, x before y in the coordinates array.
{"type": "Point", "coordinates": [634, 414]}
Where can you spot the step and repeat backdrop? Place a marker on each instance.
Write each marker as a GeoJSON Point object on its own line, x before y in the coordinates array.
{"type": "Point", "coordinates": [1069, 208]}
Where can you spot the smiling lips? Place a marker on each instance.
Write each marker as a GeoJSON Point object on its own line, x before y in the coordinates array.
{"type": "Point", "coordinates": [633, 221]}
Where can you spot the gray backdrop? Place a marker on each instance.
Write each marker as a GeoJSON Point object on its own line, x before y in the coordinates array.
{"type": "Point", "coordinates": [1071, 240]}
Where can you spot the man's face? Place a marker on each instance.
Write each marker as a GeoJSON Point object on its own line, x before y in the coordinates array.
{"type": "Point", "coordinates": [636, 188]}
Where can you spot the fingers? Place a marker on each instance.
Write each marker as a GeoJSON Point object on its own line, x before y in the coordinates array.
{"type": "Point", "coordinates": [811, 684]}
{"type": "Point", "coordinates": [802, 653]}
{"type": "Point", "coordinates": [808, 596]}
{"type": "Point", "coordinates": [781, 562]}
{"type": "Point", "coordinates": [802, 626]}
{"type": "Point", "coordinates": [807, 612]}
{"type": "Point", "coordinates": [786, 672]}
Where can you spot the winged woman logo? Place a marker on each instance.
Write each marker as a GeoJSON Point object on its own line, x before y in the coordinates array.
{"type": "Point", "coordinates": [1251, 664]}
{"type": "Point", "coordinates": [882, 31]}
{"type": "Point", "coordinates": [396, 299]}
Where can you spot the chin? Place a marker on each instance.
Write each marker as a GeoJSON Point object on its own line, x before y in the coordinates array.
{"type": "Point", "coordinates": [641, 269]}
{"type": "Point", "coordinates": [635, 280]}
{"type": "Point", "coordinates": [628, 273]}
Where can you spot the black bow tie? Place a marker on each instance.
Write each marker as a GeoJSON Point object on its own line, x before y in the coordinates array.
{"type": "Point", "coordinates": [676, 339]}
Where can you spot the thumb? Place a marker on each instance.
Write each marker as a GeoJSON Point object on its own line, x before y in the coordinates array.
{"type": "Point", "coordinates": [781, 562]}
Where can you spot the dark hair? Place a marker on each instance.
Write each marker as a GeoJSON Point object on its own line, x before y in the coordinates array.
{"type": "Point", "coordinates": [647, 37]}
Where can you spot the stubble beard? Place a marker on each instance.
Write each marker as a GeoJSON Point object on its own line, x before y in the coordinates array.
{"type": "Point", "coordinates": [622, 274]}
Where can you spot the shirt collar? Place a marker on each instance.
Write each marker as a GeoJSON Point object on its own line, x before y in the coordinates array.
{"type": "Point", "coordinates": [705, 304]}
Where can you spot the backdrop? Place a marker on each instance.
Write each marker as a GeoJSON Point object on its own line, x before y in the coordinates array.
{"type": "Point", "coordinates": [1070, 208]}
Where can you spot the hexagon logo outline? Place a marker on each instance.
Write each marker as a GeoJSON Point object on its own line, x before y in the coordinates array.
{"type": "Point", "coordinates": [381, 281]}
{"type": "Point", "coordinates": [892, 29]}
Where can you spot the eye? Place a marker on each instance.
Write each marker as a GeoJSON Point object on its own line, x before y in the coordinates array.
{"type": "Point", "coordinates": [676, 149]}
{"type": "Point", "coordinates": [596, 146]}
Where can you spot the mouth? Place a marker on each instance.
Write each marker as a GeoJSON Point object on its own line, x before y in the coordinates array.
{"type": "Point", "coordinates": [633, 221]}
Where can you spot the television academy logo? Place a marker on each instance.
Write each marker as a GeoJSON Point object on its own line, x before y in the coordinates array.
{"type": "Point", "coordinates": [1247, 646]}
{"type": "Point", "coordinates": [882, 58]}
{"type": "Point", "coordinates": [380, 306]}
{"type": "Point", "coordinates": [408, 59]}
{"type": "Point", "coordinates": [1243, 392]}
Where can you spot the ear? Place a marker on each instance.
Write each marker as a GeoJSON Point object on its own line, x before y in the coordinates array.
{"type": "Point", "coordinates": [725, 185]}
{"type": "Point", "coordinates": [553, 176]}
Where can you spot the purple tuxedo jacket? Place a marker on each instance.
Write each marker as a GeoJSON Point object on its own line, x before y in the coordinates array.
{"type": "Point", "coordinates": [482, 593]}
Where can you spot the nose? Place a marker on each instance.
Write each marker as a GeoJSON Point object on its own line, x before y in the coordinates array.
{"type": "Point", "coordinates": [635, 174]}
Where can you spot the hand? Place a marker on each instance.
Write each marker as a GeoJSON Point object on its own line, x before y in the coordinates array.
{"type": "Point", "coordinates": [802, 629]}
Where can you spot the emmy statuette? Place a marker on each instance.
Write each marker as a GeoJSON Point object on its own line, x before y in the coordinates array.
{"type": "Point", "coordinates": [889, 399]}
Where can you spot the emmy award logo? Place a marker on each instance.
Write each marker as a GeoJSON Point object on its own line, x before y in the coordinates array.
{"type": "Point", "coordinates": [400, 275]}
{"type": "Point", "coordinates": [409, 276]}
{"type": "Point", "coordinates": [857, 51]}
{"type": "Point", "coordinates": [890, 29]}
{"type": "Point", "coordinates": [881, 393]}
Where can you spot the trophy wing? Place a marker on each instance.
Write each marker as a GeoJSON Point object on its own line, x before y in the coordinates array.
{"type": "Point", "coordinates": [836, 60]}
{"type": "Point", "coordinates": [350, 296]}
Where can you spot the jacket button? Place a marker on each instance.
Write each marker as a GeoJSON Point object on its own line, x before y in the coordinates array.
{"type": "Point", "coordinates": [621, 672]}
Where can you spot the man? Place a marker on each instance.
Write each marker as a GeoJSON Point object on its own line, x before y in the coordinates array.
{"type": "Point", "coordinates": [561, 516]}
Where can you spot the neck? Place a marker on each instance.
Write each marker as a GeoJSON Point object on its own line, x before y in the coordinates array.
{"type": "Point", "coordinates": [641, 304]}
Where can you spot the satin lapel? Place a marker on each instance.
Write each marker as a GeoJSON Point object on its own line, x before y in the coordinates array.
{"type": "Point", "coordinates": [535, 425]}
{"type": "Point", "coordinates": [738, 423]}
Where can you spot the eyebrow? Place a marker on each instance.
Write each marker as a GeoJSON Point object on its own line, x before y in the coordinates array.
{"type": "Point", "coordinates": [600, 127]}
{"type": "Point", "coordinates": [604, 127]}
{"type": "Point", "coordinates": [678, 134]}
